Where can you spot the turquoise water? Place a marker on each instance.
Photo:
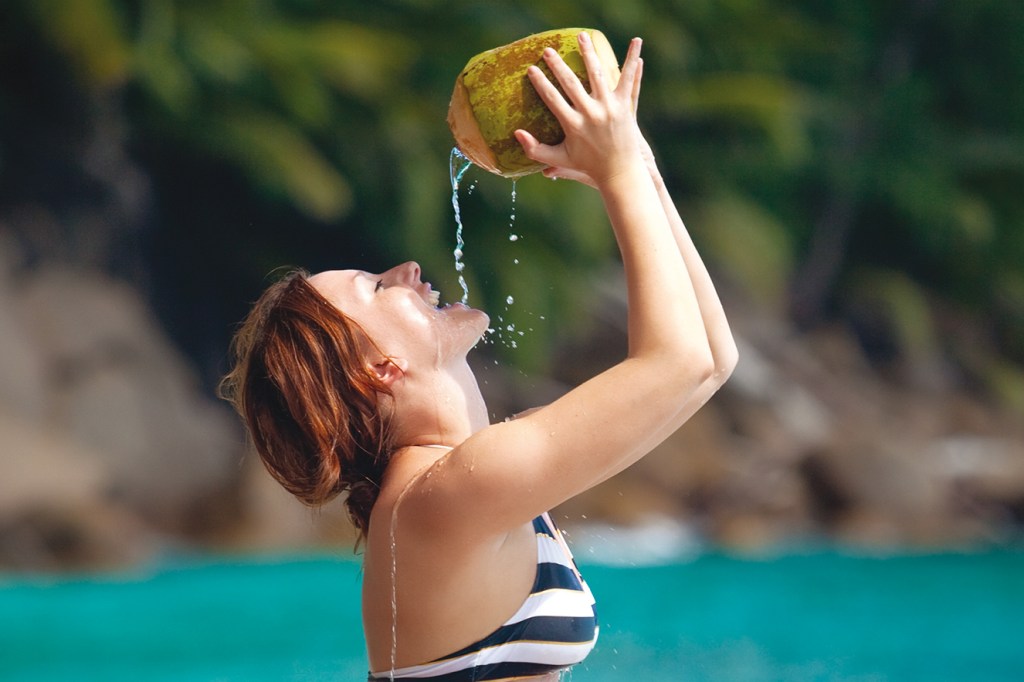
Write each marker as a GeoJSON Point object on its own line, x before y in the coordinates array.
{"type": "Point", "coordinates": [822, 616]}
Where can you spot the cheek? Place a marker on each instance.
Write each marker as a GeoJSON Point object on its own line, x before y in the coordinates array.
{"type": "Point", "coordinates": [414, 326]}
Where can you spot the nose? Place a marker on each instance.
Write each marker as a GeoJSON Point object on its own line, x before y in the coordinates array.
{"type": "Point", "coordinates": [407, 273]}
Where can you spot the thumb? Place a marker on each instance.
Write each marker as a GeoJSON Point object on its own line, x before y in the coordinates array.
{"type": "Point", "coordinates": [536, 150]}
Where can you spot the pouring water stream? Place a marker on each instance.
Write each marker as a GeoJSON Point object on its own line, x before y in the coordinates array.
{"type": "Point", "coordinates": [458, 164]}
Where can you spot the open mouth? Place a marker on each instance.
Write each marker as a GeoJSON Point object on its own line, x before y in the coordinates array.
{"type": "Point", "coordinates": [434, 298]}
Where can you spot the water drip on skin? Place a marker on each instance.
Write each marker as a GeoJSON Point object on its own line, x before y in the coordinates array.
{"type": "Point", "coordinates": [392, 533]}
{"type": "Point", "coordinates": [394, 593]}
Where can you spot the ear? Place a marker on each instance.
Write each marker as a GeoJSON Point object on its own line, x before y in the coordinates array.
{"type": "Point", "coordinates": [389, 370]}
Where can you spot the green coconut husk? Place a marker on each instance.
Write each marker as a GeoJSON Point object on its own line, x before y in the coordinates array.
{"type": "Point", "coordinates": [493, 97]}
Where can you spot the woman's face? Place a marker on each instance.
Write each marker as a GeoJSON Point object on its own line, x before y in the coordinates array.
{"type": "Point", "coordinates": [400, 313]}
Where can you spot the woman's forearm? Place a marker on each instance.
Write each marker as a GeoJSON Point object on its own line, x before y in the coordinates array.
{"type": "Point", "coordinates": [664, 311]}
{"type": "Point", "coordinates": [712, 317]}
{"type": "Point", "coordinates": [720, 339]}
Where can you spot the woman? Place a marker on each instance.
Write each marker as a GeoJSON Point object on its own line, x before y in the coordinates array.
{"type": "Point", "coordinates": [357, 383]}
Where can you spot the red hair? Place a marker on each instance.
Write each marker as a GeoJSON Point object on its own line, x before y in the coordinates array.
{"type": "Point", "coordinates": [311, 404]}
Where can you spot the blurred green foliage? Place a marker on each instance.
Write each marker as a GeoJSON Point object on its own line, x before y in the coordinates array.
{"type": "Point", "coordinates": [828, 154]}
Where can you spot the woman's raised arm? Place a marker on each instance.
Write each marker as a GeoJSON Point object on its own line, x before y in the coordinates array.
{"type": "Point", "coordinates": [507, 473]}
{"type": "Point", "coordinates": [720, 338]}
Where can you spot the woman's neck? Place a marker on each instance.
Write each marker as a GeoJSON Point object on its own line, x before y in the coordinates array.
{"type": "Point", "coordinates": [442, 407]}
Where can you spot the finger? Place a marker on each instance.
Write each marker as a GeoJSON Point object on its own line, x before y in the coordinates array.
{"type": "Point", "coordinates": [536, 150]}
{"type": "Point", "coordinates": [549, 94]}
{"type": "Point", "coordinates": [595, 70]}
{"type": "Point", "coordinates": [636, 86]}
{"type": "Point", "coordinates": [526, 140]}
{"type": "Point", "coordinates": [555, 173]}
{"type": "Point", "coordinates": [630, 66]}
{"type": "Point", "coordinates": [566, 77]}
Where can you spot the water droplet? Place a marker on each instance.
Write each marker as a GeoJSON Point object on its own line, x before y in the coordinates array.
{"type": "Point", "coordinates": [515, 261]}
{"type": "Point", "coordinates": [513, 237]}
{"type": "Point", "coordinates": [512, 217]}
{"type": "Point", "coordinates": [510, 300]}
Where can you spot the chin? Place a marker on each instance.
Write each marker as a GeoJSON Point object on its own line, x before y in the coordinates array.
{"type": "Point", "coordinates": [464, 327]}
{"type": "Point", "coordinates": [479, 321]}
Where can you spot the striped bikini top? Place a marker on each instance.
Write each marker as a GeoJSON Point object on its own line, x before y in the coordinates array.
{"type": "Point", "coordinates": [555, 628]}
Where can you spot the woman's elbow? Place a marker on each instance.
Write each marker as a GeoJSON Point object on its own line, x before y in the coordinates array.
{"type": "Point", "coordinates": [695, 367]}
{"type": "Point", "coordinates": [692, 366]}
{"type": "Point", "coordinates": [712, 365]}
{"type": "Point", "coordinates": [726, 359]}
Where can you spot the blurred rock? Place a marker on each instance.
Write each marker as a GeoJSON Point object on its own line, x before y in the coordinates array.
{"type": "Point", "coordinates": [22, 375]}
{"type": "Point", "coordinates": [809, 441]}
{"type": "Point", "coordinates": [103, 424]}
{"type": "Point", "coordinates": [274, 521]}
{"type": "Point", "coordinates": [55, 512]}
{"type": "Point", "coordinates": [45, 468]}
{"type": "Point", "coordinates": [117, 385]}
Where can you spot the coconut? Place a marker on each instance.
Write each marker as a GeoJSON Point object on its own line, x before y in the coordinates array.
{"type": "Point", "coordinates": [493, 97]}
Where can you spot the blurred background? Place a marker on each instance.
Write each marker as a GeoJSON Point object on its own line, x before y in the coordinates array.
{"type": "Point", "coordinates": [853, 173]}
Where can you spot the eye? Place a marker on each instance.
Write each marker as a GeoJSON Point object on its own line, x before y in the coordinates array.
{"type": "Point", "coordinates": [380, 285]}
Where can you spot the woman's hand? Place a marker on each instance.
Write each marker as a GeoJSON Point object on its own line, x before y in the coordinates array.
{"type": "Point", "coordinates": [601, 133]}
